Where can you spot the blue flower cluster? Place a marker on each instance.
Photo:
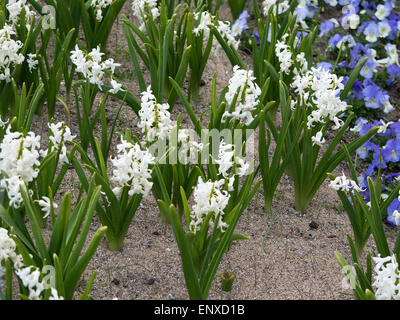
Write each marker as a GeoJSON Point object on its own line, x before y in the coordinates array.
{"type": "Point", "coordinates": [370, 31]}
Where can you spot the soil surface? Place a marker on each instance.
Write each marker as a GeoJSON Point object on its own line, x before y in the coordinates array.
{"type": "Point", "coordinates": [289, 255]}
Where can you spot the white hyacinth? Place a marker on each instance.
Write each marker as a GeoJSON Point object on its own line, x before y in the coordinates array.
{"type": "Point", "coordinates": [99, 5]}
{"type": "Point", "coordinates": [30, 277]}
{"type": "Point", "coordinates": [19, 161]}
{"type": "Point", "coordinates": [209, 197]}
{"type": "Point", "coordinates": [32, 61]}
{"type": "Point", "coordinates": [320, 89]}
{"type": "Point", "coordinates": [228, 160]}
{"type": "Point", "coordinates": [189, 147]}
{"type": "Point", "coordinates": [7, 251]}
{"type": "Point", "coordinates": [9, 55]}
{"type": "Point", "coordinates": [155, 119]}
{"type": "Point", "coordinates": [342, 183]}
{"type": "Point", "coordinates": [131, 169]}
{"type": "Point", "coordinates": [387, 278]}
{"type": "Point", "coordinates": [138, 8]}
{"type": "Point", "coordinates": [60, 135]}
{"type": "Point", "coordinates": [15, 7]}
{"type": "Point", "coordinates": [282, 6]}
{"type": "Point", "coordinates": [205, 19]}
{"type": "Point", "coordinates": [225, 29]}
{"type": "Point", "coordinates": [91, 65]}
{"type": "Point", "coordinates": [284, 55]}
{"type": "Point", "coordinates": [116, 87]}
{"type": "Point", "coordinates": [247, 99]}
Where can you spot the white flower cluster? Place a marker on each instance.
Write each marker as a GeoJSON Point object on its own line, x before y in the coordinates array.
{"type": "Point", "coordinates": [138, 7]}
{"type": "Point", "coordinates": [282, 6]}
{"type": "Point", "coordinates": [387, 279]}
{"type": "Point", "coordinates": [15, 7]}
{"type": "Point", "coordinates": [30, 276]}
{"type": "Point", "coordinates": [131, 169]}
{"type": "Point", "coordinates": [155, 119]}
{"type": "Point", "coordinates": [247, 99]}
{"type": "Point", "coordinates": [209, 198]}
{"type": "Point", "coordinates": [227, 159]}
{"type": "Point", "coordinates": [205, 19]}
{"type": "Point", "coordinates": [343, 184]}
{"type": "Point", "coordinates": [284, 55]}
{"type": "Point", "coordinates": [7, 251]}
{"type": "Point", "coordinates": [9, 56]}
{"type": "Point", "coordinates": [19, 161]}
{"type": "Point", "coordinates": [99, 5]}
{"type": "Point", "coordinates": [189, 147]}
{"type": "Point", "coordinates": [60, 135]}
{"type": "Point", "coordinates": [91, 65]}
{"type": "Point", "coordinates": [32, 61]}
{"type": "Point", "coordinates": [319, 89]}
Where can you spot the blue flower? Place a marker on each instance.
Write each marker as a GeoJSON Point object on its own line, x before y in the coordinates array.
{"type": "Point", "coordinates": [358, 90]}
{"type": "Point", "coordinates": [362, 181]}
{"type": "Point", "coordinates": [370, 7]}
{"type": "Point", "coordinates": [358, 51]}
{"type": "Point", "coordinates": [391, 151]}
{"type": "Point", "coordinates": [395, 205]}
{"type": "Point", "coordinates": [389, 178]}
{"type": "Point", "coordinates": [241, 23]}
{"type": "Point", "coordinates": [334, 40]}
{"type": "Point", "coordinates": [325, 65]}
{"type": "Point", "coordinates": [393, 26]}
{"type": "Point", "coordinates": [362, 27]}
{"type": "Point", "coordinates": [367, 71]}
{"type": "Point", "coordinates": [372, 96]}
{"type": "Point", "coordinates": [301, 13]}
{"type": "Point", "coordinates": [301, 35]}
{"type": "Point", "coordinates": [325, 27]}
{"type": "Point", "coordinates": [364, 150]}
{"type": "Point", "coordinates": [371, 32]}
{"type": "Point", "coordinates": [393, 72]}
{"type": "Point", "coordinates": [395, 128]}
{"type": "Point", "coordinates": [257, 36]}
{"type": "Point", "coordinates": [311, 10]}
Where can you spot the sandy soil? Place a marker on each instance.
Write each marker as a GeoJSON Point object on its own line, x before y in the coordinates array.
{"type": "Point", "coordinates": [289, 255]}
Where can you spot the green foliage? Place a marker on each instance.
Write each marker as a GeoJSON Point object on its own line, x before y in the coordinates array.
{"type": "Point", "coordinates": [65, 250]}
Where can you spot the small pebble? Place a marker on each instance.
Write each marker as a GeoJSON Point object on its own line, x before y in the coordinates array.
{"type": "Point", "coordinates": [171, 297]}
{"type": "Point", "coordinates": [313, 225]}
